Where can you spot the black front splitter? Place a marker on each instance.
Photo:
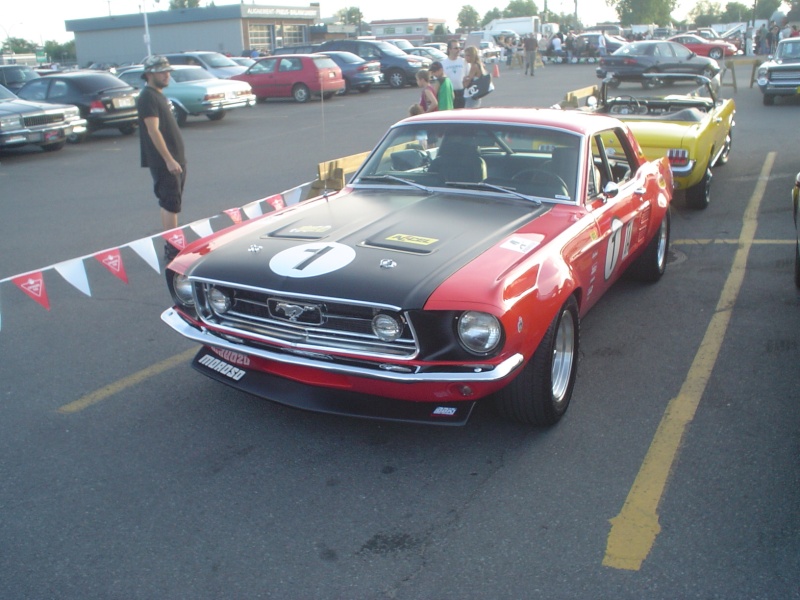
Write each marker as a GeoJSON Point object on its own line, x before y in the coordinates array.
{"type": "Point", "coordinates": [330, 401]}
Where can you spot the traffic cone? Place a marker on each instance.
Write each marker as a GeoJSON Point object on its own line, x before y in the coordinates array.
{"type": "Point", "coordinates": [496, 71]}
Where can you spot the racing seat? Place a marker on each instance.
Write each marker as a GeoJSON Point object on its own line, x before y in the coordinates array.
{"type": "Point", "coordinates": [459, 160]}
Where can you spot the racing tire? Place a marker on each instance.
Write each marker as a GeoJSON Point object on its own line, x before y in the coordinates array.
{"type": "Point", "coordinates": [127, 129]}
{"type": "Point", "coordinates": [217, 116]}
{"type": "Point", "coordinates": [301, 93]}
{"type": "Point", "coordinates": [768, 99]}
{"type": "Point", "coordinates": [181, 116]}
{"type": "Point", "coordinates": [715, 53]}
{"type": "Point", "coordinates": [539, 395]}
{"type": "Point", "coordinates": [650, 266]}
{"type": "Point", "coordinates": [396, 79]}
{"type": "Point", "coordinates": [699, 195]}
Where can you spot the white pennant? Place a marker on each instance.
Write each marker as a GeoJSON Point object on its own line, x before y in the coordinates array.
{"type": "Point", "coordinates": [296, 194]}
{"type": "Point", "coordinates": [74, 271]}
{"type": "Point", "coordinates": [202, 228]}
{"type": "Point", "coordinates": [145, 248]}
{"type": "Point", "coordinates": [253, 209]}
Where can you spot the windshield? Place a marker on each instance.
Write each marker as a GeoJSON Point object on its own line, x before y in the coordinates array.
{"type": "Point", "coordinates": [790, 50]}
{"type": "Point", "coordinates": [533, 161]}
{"type": "Point", "coordinates": [193, 74]}
{"type": "Point", "coordinates": [216, 61]}
{"type": "Point", "coordinates": [390, 49]}
{"type": "Point", "coordinates": [6, 95]}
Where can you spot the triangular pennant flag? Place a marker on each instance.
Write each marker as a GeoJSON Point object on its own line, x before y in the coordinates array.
{"type": "Point", "coordinates": [235, 214]}
{"type": "Point", "coordinates": [147, 251]}
{"type": "Point", "coordinates": [112, 260]}
{"type": "Point", "coordinates": [175, 237]}
{"type": "Point", "coordinates": [276, 202]}
{"type": "Point", "coordinates": [33, 285]}
{"type": "Point", "coordinates": [294, 195]}
{"type": "Point", "coordinates": [202, 228]}
{"type": "Point", "coordinates": [253, 209]}
{"type": "Point", "coordinates": [74, 271]}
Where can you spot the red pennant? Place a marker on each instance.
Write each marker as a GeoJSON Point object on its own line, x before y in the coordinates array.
{"type": "Point", "coordinates": [276, 202]}
{"type": "Point", "coordinates": [176, 238]}
{"type": "Point", "coordinates": [235, 214]}
{"type": "Point", "coordinates": [33, 285]}
{"type": "Point", "coordinates": [112, 260]}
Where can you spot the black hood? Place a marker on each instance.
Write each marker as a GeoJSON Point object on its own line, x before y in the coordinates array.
{"type": "Point", "coordinates": [371, 246]}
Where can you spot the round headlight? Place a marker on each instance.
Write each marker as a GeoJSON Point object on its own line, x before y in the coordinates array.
{"type": "Point", "coordinates": [479, 332]}
{"type": "Point", "coordinates": [219, 300]}
{"type": "Point", "coordinates": [183, 289]}
{"type": "Point", "coordinates": [387, 327]}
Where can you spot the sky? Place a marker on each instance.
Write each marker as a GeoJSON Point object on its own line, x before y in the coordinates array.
{"type": "Point", "coordinates": [43, 20]}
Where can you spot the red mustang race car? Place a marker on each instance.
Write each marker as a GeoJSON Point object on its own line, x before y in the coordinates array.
{"type": "Point", "coordinates": [456, 265]}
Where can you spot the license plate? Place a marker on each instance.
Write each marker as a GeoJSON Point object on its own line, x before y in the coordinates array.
{"type": "Point", "coordinates": [123, 102]}
{"type": "Point", "coordinates": [376, 78]}
{"type": "Point", "coordinates": [49, 136]}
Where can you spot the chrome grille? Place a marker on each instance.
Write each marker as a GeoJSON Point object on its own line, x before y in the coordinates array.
{"type": "Point", "coordinates": [45, 119]}
{"type": "Point", "coordinates": [784, 75]}
{"type": "Point", "coordinates": [308, 323]}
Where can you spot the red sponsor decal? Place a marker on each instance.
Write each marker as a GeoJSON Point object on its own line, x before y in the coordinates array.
{"type": "Point", "coordinates": [33, 285]}
{"type": "Point", "coordinates": [176, 238]}
{"type": "Point", "coordinates": [235, 214]}
{"type": "Point", "coordinates": [112, 260]}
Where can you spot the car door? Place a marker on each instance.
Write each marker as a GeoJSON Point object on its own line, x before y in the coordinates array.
{"type": "Point", "coordinates": [289, 72]}
{"type": "Point", "coordinates": [686, 60]}
{"type": "Point", "coordinates": [665, 56]}
{"type": "Point", "coordinates": [261, 77]}
{"type": "Point", "coordinates": [616, 198]}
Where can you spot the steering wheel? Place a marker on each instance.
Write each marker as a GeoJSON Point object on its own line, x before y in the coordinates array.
{"type": "Point", "coordinates": [631, 102]}
{"type": "Point", "coordinates": [539, 177]}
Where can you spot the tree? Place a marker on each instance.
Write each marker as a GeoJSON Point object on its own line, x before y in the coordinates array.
{"type": "Point", "coordinates": [735, 12]}
{"type": "Point", "coordinates": [18, 46]}
{"type": "Point", "coordinates": [520, 8]}
{"type": "Point", "coordinates": [60, 52]}
{"type": "Point", "coordinates": [468, 18]}
{"type": "Point", "coordinates": [178, 4]}
{"type": "Point", "coordinates": [493, 14]}
{"type": "Point", "coordinates": [350, 16]}
{"type": "Point", "coordinates": [766, 8]}
{"type": "Point", "coordinates": [705, 13]}
{"type": "Point", "coordinates": [632, 12]}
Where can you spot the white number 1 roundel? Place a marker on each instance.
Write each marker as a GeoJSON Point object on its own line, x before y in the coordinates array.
{"type": "Point", "coordinates": [312, 260]}
{"type": "Point", "coordinates": [614, 243]}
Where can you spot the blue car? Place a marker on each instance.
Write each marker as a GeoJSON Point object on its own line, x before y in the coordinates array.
{"type": "Point", "coordinates": [359, 74]}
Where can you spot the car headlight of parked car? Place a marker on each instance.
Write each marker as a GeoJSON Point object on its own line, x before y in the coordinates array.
{"type": "Point", "coordinates": [10, 122]}
{"type": "Point", "coordinates": [479, 332]}
{"type": "Point", "coordinates": [182, 289]}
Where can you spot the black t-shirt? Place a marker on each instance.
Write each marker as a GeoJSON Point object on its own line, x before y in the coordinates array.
{"type": "Point", "coordinates": [152, 103]}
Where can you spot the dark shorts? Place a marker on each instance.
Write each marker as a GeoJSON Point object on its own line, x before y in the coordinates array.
{"type": "Point", "coordinates": [168, 188]}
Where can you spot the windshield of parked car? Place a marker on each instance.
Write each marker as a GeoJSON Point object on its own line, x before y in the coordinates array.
{"type": "Point", "coordinates": [191, 74]}
{"type": "Point", "coordinates": [6, 95]}
{"type": "Point", "coordinates": [789, 50]}
{"type": "Point", "coordinates": [390, 49]}
{"type": "Point", "coordinates": [215, 60]}
{"type": "Point", "coordinates": [539, 162]}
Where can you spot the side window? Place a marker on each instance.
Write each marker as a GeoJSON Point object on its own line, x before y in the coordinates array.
{"type": "Point", "coordinates": [36, 90]}
{"type": "Point", "coordinates": [291, 64]}
{"type": "Point", "coordinates": [179, 60]}
{"type": "Point", "coordinates": [682, 52]}
{"type": "Point", "coordinates": [59, 89]}
{"type": "Point", "coordinates": [263, 66]}
{"type": "Point", "coordinates": [368, 52]}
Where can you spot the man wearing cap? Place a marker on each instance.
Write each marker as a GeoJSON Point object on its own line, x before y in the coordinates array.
{"type": "Point", "coordinates": [161, 142]}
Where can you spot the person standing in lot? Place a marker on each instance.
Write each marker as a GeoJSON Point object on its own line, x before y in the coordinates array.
{"type": "Point", "coordinates": [455, 68]}
{"type": "Point", "coordinates": [444, 87]}
{"type": "Point", "coordinates": [428, 100]}
{"type": "Point", "coordinates": [529, 45]}
{"type": "Point", "coordinates": [476, 70]}
{"type": "Point", "coordinates": [161, 143]}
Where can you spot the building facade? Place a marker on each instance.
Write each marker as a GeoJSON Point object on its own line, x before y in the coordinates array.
{"type": "Point", "coordinates": [413, 30]}
{"type": "Point", "coordinates": [232, 29]}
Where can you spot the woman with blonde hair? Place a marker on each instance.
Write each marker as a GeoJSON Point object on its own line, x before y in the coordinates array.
{"type": "Point", "coordinates": [475, 69]}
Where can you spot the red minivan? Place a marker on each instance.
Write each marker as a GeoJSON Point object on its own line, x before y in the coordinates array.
{"type": "Point", "coordinates": [298, 76]}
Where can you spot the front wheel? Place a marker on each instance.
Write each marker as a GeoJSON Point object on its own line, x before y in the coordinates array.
{"type": "Point", "coordinates": [301, 93]}
{"type": "Point", "coordinates": [699, 195]}
{"type": "Point", "coordinates": [181, 116]}
{"type": "Point", "coordinates": [726, 151]}
{"type": "Point", "coordinates": [650, 266]}
{"type": "Point", "coordinates": [540, 394]}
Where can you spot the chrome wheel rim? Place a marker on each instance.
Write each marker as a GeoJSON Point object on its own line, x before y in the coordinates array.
{"type": "Point", "coordinates": [563, 356]}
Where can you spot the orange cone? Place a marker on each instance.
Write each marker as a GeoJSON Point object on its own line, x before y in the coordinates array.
{"type": "Point", "coordinates": [496, 70]}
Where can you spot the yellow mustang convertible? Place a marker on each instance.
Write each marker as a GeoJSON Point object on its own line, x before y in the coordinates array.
{"type": "Point", "coordinates": [693, 130]}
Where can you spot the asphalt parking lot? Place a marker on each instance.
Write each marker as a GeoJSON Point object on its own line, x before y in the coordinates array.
{"type": "Point", "coordinates": [127, 475]}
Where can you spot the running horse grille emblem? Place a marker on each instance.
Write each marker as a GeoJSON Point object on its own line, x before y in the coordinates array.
{"type": "Point", "coordinates": [309, 314]}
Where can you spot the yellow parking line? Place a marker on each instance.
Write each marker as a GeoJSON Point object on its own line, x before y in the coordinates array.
{"type": "Point", "coordinates": [634, 529]}
{"type": "Point", "coordinates": [126, 382]}
{"type": "Point", "coordinates": [707, 242]}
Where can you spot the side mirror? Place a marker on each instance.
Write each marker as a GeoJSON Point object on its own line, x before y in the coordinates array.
{"type": "Point", "coordinates": [611, 189]}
